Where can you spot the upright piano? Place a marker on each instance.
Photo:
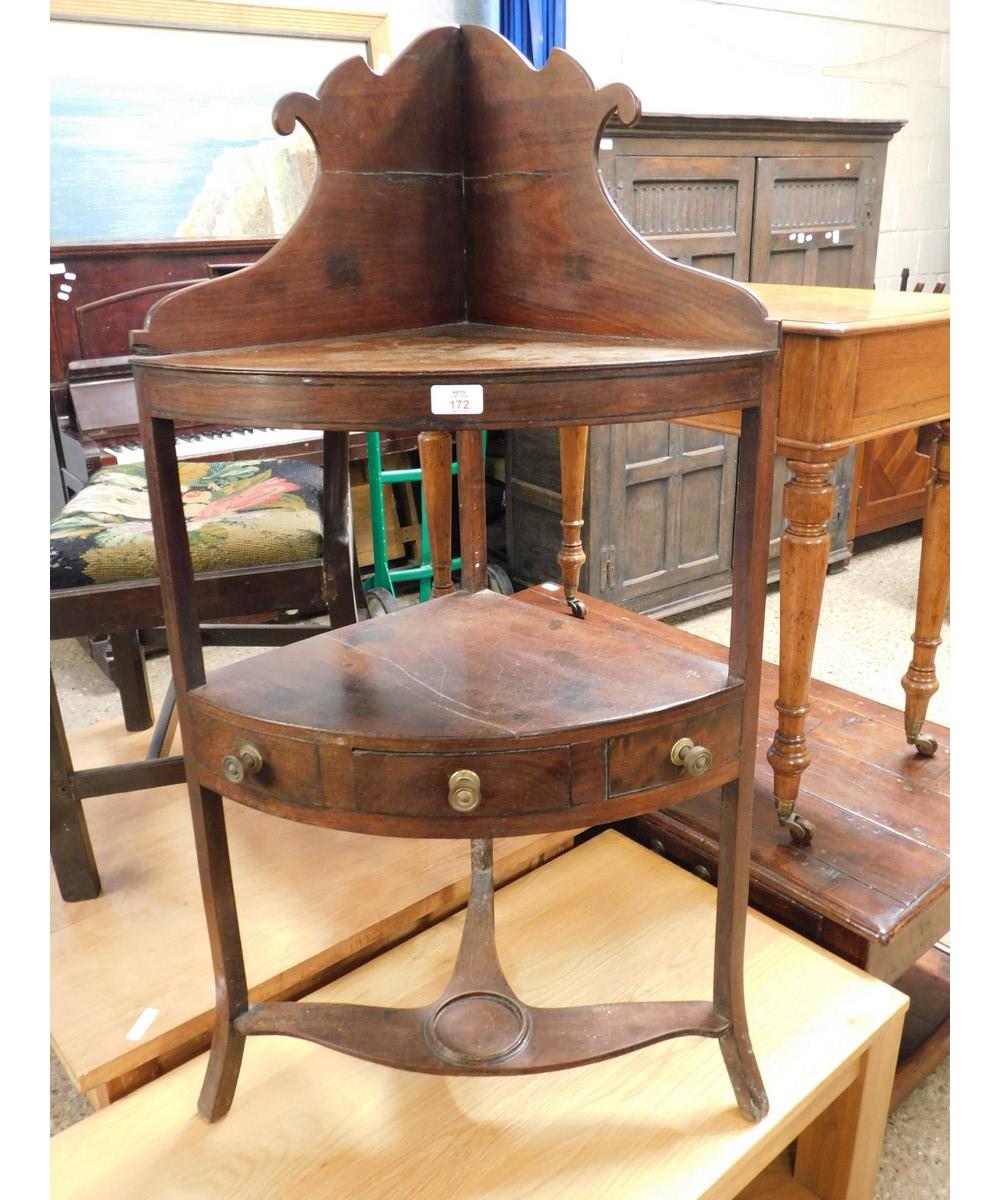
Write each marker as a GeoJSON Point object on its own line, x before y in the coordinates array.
{"type": "Point", "coordinates": [99, 293]}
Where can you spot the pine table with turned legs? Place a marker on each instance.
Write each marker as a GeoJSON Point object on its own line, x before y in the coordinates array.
{"type": "Point", "coordinates": [855, 365]}
{"type": "Point", "coordinates": [874, 884]}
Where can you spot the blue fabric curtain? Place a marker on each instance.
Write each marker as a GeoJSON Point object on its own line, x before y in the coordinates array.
{"type": "Point", "coordinates": [534, 26]}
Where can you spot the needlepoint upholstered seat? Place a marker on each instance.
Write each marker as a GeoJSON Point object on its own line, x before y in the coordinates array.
{"type": "Point", "coordinates": [245, 513]}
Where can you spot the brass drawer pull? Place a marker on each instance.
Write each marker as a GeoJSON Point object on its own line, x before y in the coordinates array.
{"type": "Point", "coordinates": [694, 759]}
{"type": "Point", "coordinates": [247, 758]}
{"type": "Point", "coordinates": [463, 791]}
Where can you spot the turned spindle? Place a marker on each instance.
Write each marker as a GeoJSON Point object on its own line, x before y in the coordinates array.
{"type": "Point", "coordinates": [572, 469]}
{"type": "Point", "coordinates": [808, 503]}
{"type": "Point", "coordinates": [435, 464]}
{"type": "Point", "coordinates": [472, 508]}
{"type": "Point", "coordinates": [920, 681]}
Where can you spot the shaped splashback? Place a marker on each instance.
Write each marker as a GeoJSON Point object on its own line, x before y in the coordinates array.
{"type": "Point", "coordinates": [460, 185]}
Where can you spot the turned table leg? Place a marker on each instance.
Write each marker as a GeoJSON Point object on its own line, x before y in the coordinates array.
{"type": "Point", "coordinates": [572, 470]}
{"type": "Point", "coordinates": [920, 682]}
{"type": "Point", "coordinates": [808, 504]}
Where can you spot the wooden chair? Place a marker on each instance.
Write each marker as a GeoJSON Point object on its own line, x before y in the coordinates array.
{"type": "Point", "coordinates": [105, 587]}
{"type": "Point", "coordinates": [904, 279]}
{"type": "Point", "coordinates": [121, 608]}
{"type": "Point", "coordinates": [459, 265]}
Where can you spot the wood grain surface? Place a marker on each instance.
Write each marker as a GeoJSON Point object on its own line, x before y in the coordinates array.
{"type": "Point", "coordinates": [364, 730]}
{"type": "Point", "coordinates": [662, 1122]}
{"type": "Point", "coordinates": [310, 900]}
{"type": "Point", "coordinates": [880, 855]}
{"type": "Point", "coordinates": [506, 220]}
{"type": "Point", "coordinates": [841, 311]}
{"type": "Point", "coordinates": [439, 664]}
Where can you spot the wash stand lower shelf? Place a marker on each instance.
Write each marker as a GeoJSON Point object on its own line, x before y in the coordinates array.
{"type": "Point", "coordinates": [308, 1125]}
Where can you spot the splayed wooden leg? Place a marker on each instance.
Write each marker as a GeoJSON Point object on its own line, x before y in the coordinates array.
{"type": "Point", "coordinates": [214, 866]}
{"type": "Point", "coordinates": [730, 939]}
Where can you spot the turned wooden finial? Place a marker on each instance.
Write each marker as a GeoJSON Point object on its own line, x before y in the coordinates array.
{"type": "Point", "coordinates": [435, 463]}
{"type": "Point", "coordinates": [572, 469]}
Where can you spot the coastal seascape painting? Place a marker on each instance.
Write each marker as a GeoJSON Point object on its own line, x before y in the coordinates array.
{"type": "Point", "coordinates": [166, 133]}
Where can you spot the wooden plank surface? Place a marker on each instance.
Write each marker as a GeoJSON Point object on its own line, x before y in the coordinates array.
{"type": "Point", "coordinates": [307, 1122]}
{"type": "Point", "coordinates": [880, 853]}
{"type": "Point", "coordinates": [310, 900]}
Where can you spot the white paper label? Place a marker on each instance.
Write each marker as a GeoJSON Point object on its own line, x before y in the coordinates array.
{"type": "Point", "coordinates": [142, 1024]}
{"type": "Point", "coordinates": [607, 143]}
{"type": "Point", "coordinates": [456, 399]}
{"type": "Point", "coordinates": [836, 236]}
{"type": "Point", "coordinates": [57, 268]}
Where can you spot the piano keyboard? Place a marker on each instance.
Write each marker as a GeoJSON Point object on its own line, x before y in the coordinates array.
{"type": "Point", "coordinates": [209, 443]}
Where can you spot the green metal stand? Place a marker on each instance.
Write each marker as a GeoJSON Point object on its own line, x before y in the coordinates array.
{"type": "Point", "coordinates": [383, 575]}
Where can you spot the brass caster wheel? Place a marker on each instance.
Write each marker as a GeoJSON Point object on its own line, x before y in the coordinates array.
{"type": "Point", "coordinates": [799, 829]}
{"type": "Point", "coordinates": [379, 601]}
{"type": "Point", "coordinates": [926, 745]}
{"type": "Point", "coordinates": [577, 607]}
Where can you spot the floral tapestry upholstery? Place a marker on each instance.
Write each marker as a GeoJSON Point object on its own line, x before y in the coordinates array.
{"type": "Point", "coordinates": [246, 513]}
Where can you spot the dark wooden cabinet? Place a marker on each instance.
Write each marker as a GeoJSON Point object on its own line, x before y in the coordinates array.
{"type": "Point", "coordinates": [813, 220]}
{"type": "Point", "coordinates": [698, 211]}
{"type": "Point", "coordinates": [658, 513]}
{"type": "Point", "coordinates": [758, 199]}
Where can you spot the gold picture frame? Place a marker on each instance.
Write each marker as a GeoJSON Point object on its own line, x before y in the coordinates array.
{"type": "Point", "coordinates": [218, 16]}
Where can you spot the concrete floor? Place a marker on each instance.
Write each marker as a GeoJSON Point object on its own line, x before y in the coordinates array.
{"type": "Point", "coordinates": [863, 645]}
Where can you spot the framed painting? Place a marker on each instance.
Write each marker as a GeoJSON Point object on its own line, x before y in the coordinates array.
{"type": "Point", "coordinates": [161, 115]}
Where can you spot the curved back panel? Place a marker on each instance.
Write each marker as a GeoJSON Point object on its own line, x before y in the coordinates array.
{"type": "Point", "coordinates": [379, 243]}
{"type": "Point", "coordinates": [546, 248]}
{"type": "Point", "coordinates": [460, 185]}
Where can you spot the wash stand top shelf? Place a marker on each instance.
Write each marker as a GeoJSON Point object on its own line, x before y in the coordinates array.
{"type": "Point", "coordinates": [454, 351]}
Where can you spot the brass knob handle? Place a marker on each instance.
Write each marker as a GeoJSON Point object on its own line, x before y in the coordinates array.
{"type": "Point", "coordinates": [694, 759]}
{"type": "Point", "coordinates": [247, 758]}
{"type": "Point", "coordinates": [463, 791]}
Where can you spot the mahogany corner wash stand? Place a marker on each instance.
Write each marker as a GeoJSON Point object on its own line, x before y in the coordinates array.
{"type": "Point", "coordinates": [460, 266]}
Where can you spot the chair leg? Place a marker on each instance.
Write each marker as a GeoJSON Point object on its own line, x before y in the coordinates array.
{"type": "Point", "coordinates": [231, 1001]}
{"type": "Point", "coordinates": [72, 853]}
{"type": "Point", "coordinates": [166, 725]}
{"type": "Point", "coordinates": [730, 937]}
{"type": "Point", "coordinates": [342, 590]}
{"type": "Point", "coordinates": [129, 667]}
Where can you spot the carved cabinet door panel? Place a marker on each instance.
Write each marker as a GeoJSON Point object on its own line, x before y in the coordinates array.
{"type": "Point", "coordinates": [670, 521]}
{"type": "Point", "coordinates": [695, 210]}
{"type": "Point", "coordinates": [814, 221]}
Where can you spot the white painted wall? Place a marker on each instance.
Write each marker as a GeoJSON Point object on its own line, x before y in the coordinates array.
{"type": "Point", "coordinates": [806, 58]}
{"type": "Point", "coordinates": [409, 18]}
{"type": "Point", "coordinates": [811, 58]}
